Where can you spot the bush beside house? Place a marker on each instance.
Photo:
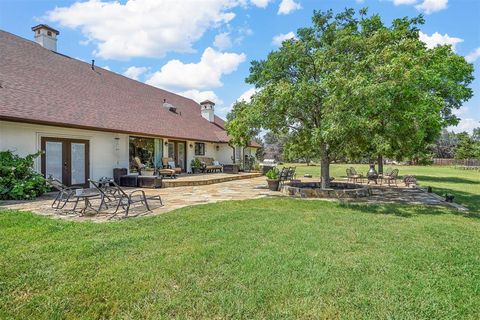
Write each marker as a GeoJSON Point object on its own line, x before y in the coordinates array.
{"type": "Point", "coordinates": [18, 180]}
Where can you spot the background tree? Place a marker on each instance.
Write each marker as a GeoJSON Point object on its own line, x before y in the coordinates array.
{"type": "Point", "coordinates": [466, 148]}
{"type": "Point", "coordinates": [445, 145]}
{"type": "Point", "coordinates": [350, 84]}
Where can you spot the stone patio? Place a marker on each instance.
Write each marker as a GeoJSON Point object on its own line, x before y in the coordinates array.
{"type": "Point", "coordinates": [179, 197]}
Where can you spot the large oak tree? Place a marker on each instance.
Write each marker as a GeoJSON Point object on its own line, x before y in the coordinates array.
{"type": "Point", "coordinates": [349, 85]}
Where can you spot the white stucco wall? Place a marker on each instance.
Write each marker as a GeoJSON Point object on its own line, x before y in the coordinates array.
{"type": "Point", "coordinates": [25, 139]}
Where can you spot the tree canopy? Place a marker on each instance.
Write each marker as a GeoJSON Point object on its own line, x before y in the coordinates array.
{"type": "Point", "coordinates": [349, 84]}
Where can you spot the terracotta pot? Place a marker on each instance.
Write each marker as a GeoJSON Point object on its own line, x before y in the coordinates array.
{"type": "Point", "coordinates": [273, 184]}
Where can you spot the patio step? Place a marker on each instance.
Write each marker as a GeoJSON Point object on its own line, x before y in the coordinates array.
{"type": "Point", "coordinates": [201, 181]}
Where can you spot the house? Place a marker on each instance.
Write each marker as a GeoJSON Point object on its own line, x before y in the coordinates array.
{"type": "Point", "coordinates": [89, 120]}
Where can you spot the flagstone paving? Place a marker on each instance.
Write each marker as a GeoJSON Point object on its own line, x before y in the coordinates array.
{"type": "Point", "coordinates": [179, 197]}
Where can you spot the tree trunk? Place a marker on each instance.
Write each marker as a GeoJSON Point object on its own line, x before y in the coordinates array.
{"type": "Point", "coordinates": [380, 164]}
{"type": "Point", "coordinates": [325, 167]}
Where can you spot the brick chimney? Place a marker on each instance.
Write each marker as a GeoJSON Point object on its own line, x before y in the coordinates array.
{"type": "Point", "coordinates": [208, 110]}
{"type": "Point", "coordinates": [46, 36]}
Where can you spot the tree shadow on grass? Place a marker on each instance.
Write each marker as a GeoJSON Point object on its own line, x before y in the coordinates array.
{"type": "Point", "coordinates": [426, 179]}
{"type": "Point", "coordinates": [407, 210]}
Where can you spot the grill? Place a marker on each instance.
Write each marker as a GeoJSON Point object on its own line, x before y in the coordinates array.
{"type": "Point", "coordinates": [268, 164]}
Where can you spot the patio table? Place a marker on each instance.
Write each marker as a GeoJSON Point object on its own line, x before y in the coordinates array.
{"type": "Point", "coordinates": [86, 195]}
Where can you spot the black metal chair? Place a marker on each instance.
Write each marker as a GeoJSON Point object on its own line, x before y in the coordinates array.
{"type": "Point", "coordinates": [113, 193]}
{"type": "Point", "coordinates": [287, 174]}
{"type": "Point", "coordinates": [65, 194]}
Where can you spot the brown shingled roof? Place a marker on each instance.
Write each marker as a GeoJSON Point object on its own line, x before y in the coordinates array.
{"type": "Point", "coordinates": [41, 86]}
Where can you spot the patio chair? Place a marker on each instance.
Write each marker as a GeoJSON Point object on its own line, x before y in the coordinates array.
{"type": "Point", "coordinates": [387, 172]}
{"type": "Point", "coordinates": [65, 194]}
{"type": "Point", "coordinates": [391, 177]}
{"type": "Point", "coordinates": [169, 163]}
{"type": "Point", "coordinates": [113, 193]}
{"type": "Point", "coordinates": [353, 175]}
{"type": "Point", "coordinates": [287, 174]}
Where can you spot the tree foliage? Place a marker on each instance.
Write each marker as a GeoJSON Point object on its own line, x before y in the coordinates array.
{"type": "Point", "coordinates": [350, 84]}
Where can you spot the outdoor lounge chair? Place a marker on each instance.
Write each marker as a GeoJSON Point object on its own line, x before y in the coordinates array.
{"type": "Point", "coordinates": [65, 194]}
{"type": "Point", "coordinates": [113, 195]}
{"type": "Point", "coordinates": [392, 177]}
{"type": "Point", "coordinates": [169, 163]}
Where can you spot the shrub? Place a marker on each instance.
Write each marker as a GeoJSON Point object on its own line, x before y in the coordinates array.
{"type": "Point", "coordinates": [273, 174]}
{"type": "Point", "coordinates": [196, 163]}
{"type": "Point", "coordinates": [18, 180]}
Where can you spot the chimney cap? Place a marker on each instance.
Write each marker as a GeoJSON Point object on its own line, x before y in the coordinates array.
{"type": "Point", "coordinates": [207, 102]}
{"type": "Point", "coordinates": [45, 26]}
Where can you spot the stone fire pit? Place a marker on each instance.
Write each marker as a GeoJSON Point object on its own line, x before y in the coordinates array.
{"type": "Point", "coordinates": [338, 190]}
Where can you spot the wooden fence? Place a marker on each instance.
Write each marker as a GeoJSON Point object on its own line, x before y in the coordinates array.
{"type": "Point", "coordinates": [455, 162]}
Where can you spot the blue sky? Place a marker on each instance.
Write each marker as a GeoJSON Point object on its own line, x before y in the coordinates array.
{"type": "Point", "coordinates": [203, 49]}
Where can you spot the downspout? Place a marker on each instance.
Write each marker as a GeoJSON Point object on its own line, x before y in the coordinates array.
{"type": "Point", "coordinates": [233, 158]}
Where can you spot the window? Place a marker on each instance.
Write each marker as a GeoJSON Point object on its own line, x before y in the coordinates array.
{"type": "Point", "coordinates": [49, 33]}
{"type": "Point", "coordinates": [199, 149]}
{"type": "Point", "coordinates": [147, 150]}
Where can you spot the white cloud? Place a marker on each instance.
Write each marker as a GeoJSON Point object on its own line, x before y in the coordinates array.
{"type": "Point", "coordinates": [473, 56]}
{"type": "Point", "coordinates": [430, 6]}
{"type": "Point", "coordinates": [206, 73]}
{"type": "Point", "coordinates": [222, 41]}
{"type": "Point", "coordinates": [278, 39]}
{"type": "Point", "coordinates": [400, 2]}
{"type": "Point", "coordinates": [288, 6]}
{"type": "Point", "coordinates": [199, 96]}
{"type": "Point", "coordinates": [143, 28]}
{"type": "Point", "coordinates": [437, 39]}
{"type": "Point", "coordinates": [461, 111]}
{"type": "Point", "coordinates": [247, 95]}
{"type": "Point", "coordinates": [467, 124]}
{"type": "Point", "coordinates": [260, 3]}
{"type": "Point", "coordinates": [106, 68]}
{"type": "Point", "coordinates": [135, 72]}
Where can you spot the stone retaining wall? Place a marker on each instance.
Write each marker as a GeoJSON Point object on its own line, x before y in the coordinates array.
{"type": "Point", "coordinates": [338, 190]}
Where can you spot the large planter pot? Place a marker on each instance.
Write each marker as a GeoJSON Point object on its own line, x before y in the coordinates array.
{"type": "Point", "coordinates": [273, 184]}
{"type": "Point", "coordinates": [196, 170]}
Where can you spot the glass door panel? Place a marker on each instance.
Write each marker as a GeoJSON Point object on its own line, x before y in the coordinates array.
{"type": "Point", "coordinates": [77, 167]}
{"type": "Point", "coordinates": [181, 155]}
{"type": "Point", "coordinates": [54, 160]}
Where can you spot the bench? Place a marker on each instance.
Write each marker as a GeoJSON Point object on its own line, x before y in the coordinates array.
{"type": "Point", "coordinates": [208, 165]}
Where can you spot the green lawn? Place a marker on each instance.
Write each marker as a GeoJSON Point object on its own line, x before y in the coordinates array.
{"type": "Point", "coordinates": [265, 258]}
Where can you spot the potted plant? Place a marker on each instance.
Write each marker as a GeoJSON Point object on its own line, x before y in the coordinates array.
{"type": "Point", "coordinates": [273, 179]}
{"type": "Point", "coordinates": [196, 165]}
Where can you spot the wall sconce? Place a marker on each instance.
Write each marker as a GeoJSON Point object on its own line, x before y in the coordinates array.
{"type": "Point", "coordinates": [166, 143]}
{"type": "Point", "coordinates": [217, 147]}
{"type": "Point", "coordinates": [190, 145]}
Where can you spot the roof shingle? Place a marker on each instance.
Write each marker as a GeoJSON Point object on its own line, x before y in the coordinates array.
{"type": "Point", "coordinates": [41, 86]}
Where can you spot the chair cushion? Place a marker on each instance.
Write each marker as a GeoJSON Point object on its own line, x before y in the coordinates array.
{"type": "Point", "coordinates": [171, 164]}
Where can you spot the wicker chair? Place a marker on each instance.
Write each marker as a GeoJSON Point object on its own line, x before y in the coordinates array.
{"type": "Point", "coordinates": [392, 177]}
{"type": "Point", "coordinates": [353, 175]}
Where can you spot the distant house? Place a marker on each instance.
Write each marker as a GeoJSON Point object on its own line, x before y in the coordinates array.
{"type": "Point", "coordinates": [88, 120]}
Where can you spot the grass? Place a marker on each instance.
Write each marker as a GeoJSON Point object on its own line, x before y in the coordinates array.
{"type": "Point", "coordinates": [265, 258]}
